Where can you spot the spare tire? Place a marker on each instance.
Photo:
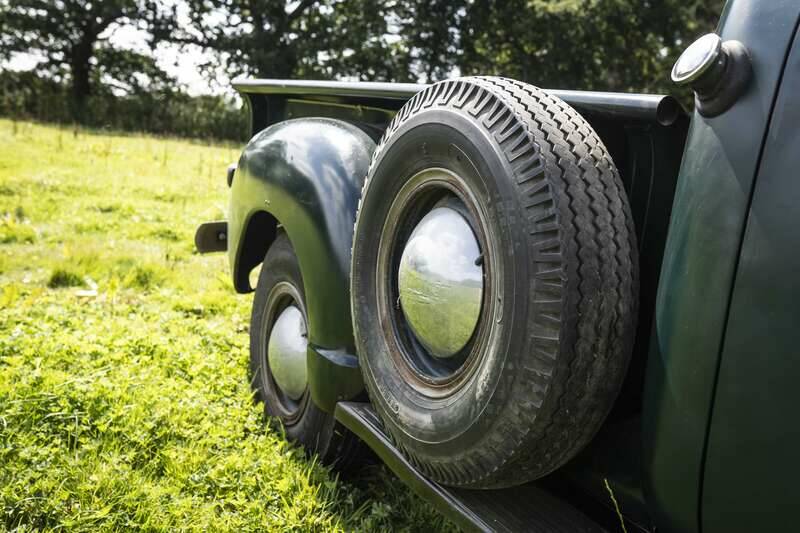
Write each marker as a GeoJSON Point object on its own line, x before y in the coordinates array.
{"type": "Point", "coordinates": [494, 282]}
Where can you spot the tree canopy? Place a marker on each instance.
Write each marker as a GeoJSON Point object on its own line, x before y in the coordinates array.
{"type": "Point", "coordinates": [70, 40]}
{"type": "Point", "coordinates": [296, 38]}
{"type": "Point", "coordinates": [620, 45]}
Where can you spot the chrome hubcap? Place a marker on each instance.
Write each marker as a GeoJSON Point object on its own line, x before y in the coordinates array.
{"type": "Point", "coordinates": [286, 352]}
{"type": "Point", "coordinates": [440, 282]}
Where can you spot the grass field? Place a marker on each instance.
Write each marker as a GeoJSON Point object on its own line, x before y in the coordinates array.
{"type": "Point", "coordinates": [124, 401]}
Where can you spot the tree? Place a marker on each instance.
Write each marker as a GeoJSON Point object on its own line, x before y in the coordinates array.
{"type": "Point", "coordinates": [297, 39]}
{"type": "Point", "coordinates": [71, 39]}
{"type": "Point", "coordinates": [620, 45]}
{"type": "Point", "coordinates": [430, 31]}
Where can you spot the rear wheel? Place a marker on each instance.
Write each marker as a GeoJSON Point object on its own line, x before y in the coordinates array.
{"type": "Point", "coordinates": [278, 342]}
{"type": "Point", "coordinates": [494, 282]}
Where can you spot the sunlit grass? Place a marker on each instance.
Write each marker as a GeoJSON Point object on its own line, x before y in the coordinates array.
{"type": "Point", "coordinates": [124, 401]}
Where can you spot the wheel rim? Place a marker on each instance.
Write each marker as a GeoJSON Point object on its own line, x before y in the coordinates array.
{"type": "Point", "coordinates": [286, 352]}
{"type": "Point", "coordinates": [281, 366]}
{"type": "Point", "coordinates": [440, 276]}
{"type": "Point", "coordinates": [441, 371]}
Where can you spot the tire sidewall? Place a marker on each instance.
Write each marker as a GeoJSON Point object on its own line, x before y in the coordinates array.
{"type": "Point", "coordinates": [447, 139]}
{"type": "Point", "coordinates": [311, 427]}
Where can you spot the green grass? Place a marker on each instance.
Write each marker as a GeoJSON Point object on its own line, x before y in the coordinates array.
{"type": "Point", "coordinates": [124, 401]}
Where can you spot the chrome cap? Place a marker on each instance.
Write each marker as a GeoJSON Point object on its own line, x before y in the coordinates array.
{"type": "Point", "coordinates": [440, 281]}
{"type": "Point", "coordinates": [286, 352]}
{"type": "Point", "coordinates": [697, 59]}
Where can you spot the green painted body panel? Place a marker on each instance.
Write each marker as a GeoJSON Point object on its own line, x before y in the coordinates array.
{"type": "Point", "coordinates": [704, 443]}
{"type": "Point", "coordinates": [752, 467]}
{"type": "Point", "coordinates": [702, 252]}
{"type": "Point", "coordinates": [308, 174]}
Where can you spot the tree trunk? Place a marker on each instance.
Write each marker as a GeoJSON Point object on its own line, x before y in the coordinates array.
{"type": "Point", "coordinates": [274, 58]}
{"type": "Point", "coordinates": [81, 87]}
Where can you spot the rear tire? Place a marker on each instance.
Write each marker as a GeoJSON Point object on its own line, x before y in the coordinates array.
{"type": "Point", "coordinates": [280, 284]}
{"type": "Point", "coordinates": [559, 257]}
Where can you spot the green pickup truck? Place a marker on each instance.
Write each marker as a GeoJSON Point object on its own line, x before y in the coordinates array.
{"type": "Point", "coordinates": [544, 310]}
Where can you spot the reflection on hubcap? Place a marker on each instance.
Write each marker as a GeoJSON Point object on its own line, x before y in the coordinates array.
{"type": "Point", "coordinates": [286, 352]}
{"type": "Point", "coordinates": [441, 282]}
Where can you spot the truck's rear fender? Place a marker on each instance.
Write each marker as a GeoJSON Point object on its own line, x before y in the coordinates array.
{"type": "Point", "coordinates": [304, 176]}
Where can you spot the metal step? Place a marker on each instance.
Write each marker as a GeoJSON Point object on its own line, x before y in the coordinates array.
{"type": "Point", "coordinates": [528, 507]}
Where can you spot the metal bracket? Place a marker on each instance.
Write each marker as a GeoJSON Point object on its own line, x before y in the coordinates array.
{"type": "Point", "coordinates": [211, 237]}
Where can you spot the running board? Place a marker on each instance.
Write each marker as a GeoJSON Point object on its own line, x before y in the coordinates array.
{"type": "Point", "coordinates": [526, 508]}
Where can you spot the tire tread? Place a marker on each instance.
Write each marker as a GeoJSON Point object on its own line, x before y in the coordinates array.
{"type": "Point", "coordinates": [584, 280]}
